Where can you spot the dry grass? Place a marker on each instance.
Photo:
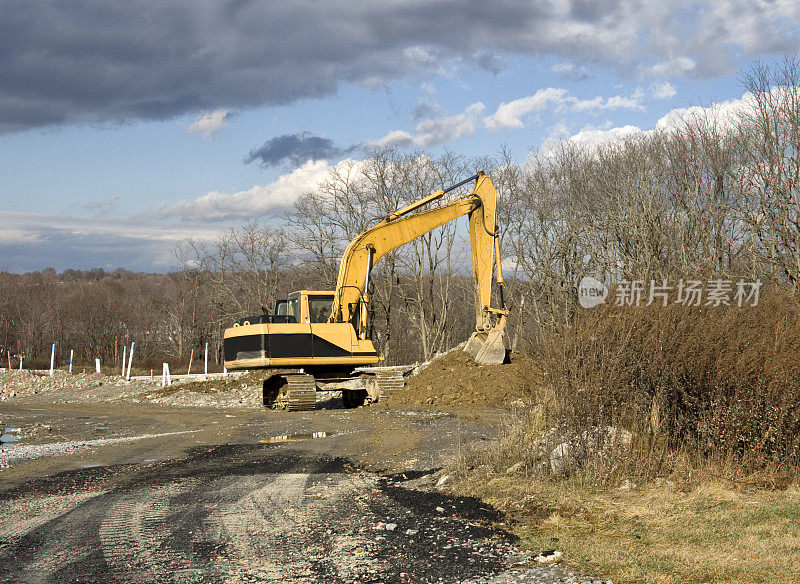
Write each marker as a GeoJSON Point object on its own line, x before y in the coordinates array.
{"type": "Point", "coordinates": [720, 384]}
{"type": "Point", "coordinates": [706, 491]}
{"type": "Point", "coordinates": [663, 533]}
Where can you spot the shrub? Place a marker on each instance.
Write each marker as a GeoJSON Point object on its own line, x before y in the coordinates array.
{"type": "Point", "coordinates": [719, 384]}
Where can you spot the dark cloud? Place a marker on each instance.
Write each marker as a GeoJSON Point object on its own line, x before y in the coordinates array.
{"type": "Point", "coordinates": [83, 61]}
{"type": "Point", "coordinates": [101, 205]}
{"type": "Point", "coordinates": [33, 241]}
{"type": "Point", "coordinates": [61, 250]}
{"type": "Point", "coordinates": [297, 149]}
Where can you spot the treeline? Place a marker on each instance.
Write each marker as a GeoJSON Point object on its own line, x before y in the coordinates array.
{"type": "Point", "coordinates": [715, 193]}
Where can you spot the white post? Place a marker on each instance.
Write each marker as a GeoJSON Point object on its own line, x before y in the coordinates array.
{"type": "Point", "coordinates": [97, 365]}
{"type": "Point", "coordinates": [70, 360]}
{"type": "Point", "coordinates": [224, 371]}
{"type": "Point", "coordinates": [165, 378]}
{"type": "Point", "coordinates": [52, 358]}
{"type": "Point", "coordinates": [130, 360]}
{"type": "Point", "coordinates": [20, 362]}
{"type": "Point", "coordinates": [206, 361]}
{"type": "Point", "coordinates": [124, 355]}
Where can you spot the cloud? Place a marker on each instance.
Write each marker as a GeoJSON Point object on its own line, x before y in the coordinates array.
{"type": "Point", "coordinates": [509, 115]}
{"type": "Point", "coordinates": [33, 241]}
{"type": "Point", "coordinates": [512, 114]}
{"type": "Point", "coordinates": [674, 67]}
{"type": "Point", "coordinates": [83, 62]}
{"type": "Point", "coordinates": [258, 201]}
{"type": "Point", "coordinates": [436, 130]}
{"type": "Point", "coordinates": [101, 205]}
{"type": "Point", "coordinates": [297, 149]}
{"type": "Point", "coordinates": [590, 136]}
{"type": "Point", "coordinates": [723, 114]}
{"type": "Point", "coordinates": [663, 91]}
{"type": "Point", "coordinates": [209, 123]}
{"type": "Point", "coordinates": [571, 72]}
{"type": "Point", "coordinates": [399, 138]}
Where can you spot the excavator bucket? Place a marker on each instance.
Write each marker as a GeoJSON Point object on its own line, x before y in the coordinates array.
{"type": "Point", "coordinates": [488, 348]}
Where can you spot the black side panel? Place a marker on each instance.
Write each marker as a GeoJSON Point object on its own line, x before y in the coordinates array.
{"type": "Point", "coordinates": [277, 346]}
{"type": "Point", "coordinates": [290, 345]}
{"type": "Point", "coordinates": [244, 347]}
{"type": "Point", "coordinates": [323, 348]}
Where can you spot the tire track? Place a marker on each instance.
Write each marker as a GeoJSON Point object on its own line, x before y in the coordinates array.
{"type": "Point", "coordinates": [134, 536]}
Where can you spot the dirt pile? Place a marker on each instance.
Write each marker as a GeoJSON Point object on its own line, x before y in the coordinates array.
{"type": "Point", "coordinates": [456, 380]}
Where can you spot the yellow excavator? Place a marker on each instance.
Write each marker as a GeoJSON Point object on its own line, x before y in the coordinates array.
{"type": "Point", "coordinates": [317, 341]}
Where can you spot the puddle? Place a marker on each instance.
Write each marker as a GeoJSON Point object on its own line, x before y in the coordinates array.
{"type": "Point", "coordinates": [37, 410]}
{"type": "Point", "coordinates": [91, 466]}
{"type": "Point", "coordinates": [8, 435]}
{"type": "Point", "coordinates": [152, 459]}
{"type": "Point", "coordinates": [295, 437]}
{"type": "Point", "coordinates": [100, 428]}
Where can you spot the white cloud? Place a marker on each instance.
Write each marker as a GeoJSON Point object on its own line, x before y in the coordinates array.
{"type": "Point", "coordinates": [663, 90]}
{"type": "Point", "coordinates": [512, 114]}
{"type": "Point", "coordinates": [436, 130]}
{"type": "Point", "coordinates": [509, 115]}
{"type": "Point", "coordinates": [674, 67]}
{"type": "Point", "coordinates": [590, 136]}
{"type": "Point", "coordinates": [631, 102]}
{"type": "Point", "coordinates": [209, 123]}
{"type": "Point", "coordinates": [394, 138]}
{"type": "Point", "coordinates": [723, 114]}
{"type": "Point", "coordinates": [258, 201]}
{"type": "Point", "coordinates": [446, 128]}
{"type": "Point", "coordinates": [562, 68]}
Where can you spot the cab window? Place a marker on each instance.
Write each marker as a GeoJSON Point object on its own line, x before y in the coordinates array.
{"type": "Point", "coordinates": [293, 306]}
{"type": "Point", "coordinates": [319, 305]}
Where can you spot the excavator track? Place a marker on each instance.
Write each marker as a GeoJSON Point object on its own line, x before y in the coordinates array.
{"type": "Point", "coordinates": [298, 393]}
{"type": "Point", "coordinates": [389, 380]}
{"type": "Point", "coordinates": [381, 381]}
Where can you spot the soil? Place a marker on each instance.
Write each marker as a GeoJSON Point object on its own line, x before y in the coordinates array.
{"type": "Point", "coordinates": [455, 380]}
{"type": "Point", "coordinates": [108, 480]}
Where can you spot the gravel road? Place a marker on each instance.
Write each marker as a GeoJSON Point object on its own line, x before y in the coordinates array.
{"type": "Point", "coordinates": [177, 495]}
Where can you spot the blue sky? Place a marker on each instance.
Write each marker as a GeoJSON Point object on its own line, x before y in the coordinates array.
{"type": "Point", "coordinates": [128, 126]}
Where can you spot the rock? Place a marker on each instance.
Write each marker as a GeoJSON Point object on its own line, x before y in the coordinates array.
{"type": "Point", "coordinates": [412, 531]}
{"type": "Point", "coordinates": [547, 557]}
{"type": "Point", "coordinates": [594, 441]}
{"type": "Point", "coordinates": [442, 480]}
{"type": "Point", "coordinates": [515, 468]}
{"type": "Point", "coordinates": [627, 485]}
{"type": "Point", "coordinates": [391, 526]}
{"type": "Point", "coordinates": [559, 457]}
{"type": "Point", "coordinates": [440, 509]}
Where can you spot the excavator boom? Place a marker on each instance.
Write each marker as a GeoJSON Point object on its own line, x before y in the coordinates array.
{"type": "Point", "coordinates": [488, 343]}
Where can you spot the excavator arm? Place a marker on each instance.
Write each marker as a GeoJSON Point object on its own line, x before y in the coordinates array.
{"type": "Point", "coordinates": [488, 343]}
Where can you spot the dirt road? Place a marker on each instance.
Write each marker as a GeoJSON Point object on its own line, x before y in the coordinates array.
{"type": "Point", "coordinates": [143, 493]}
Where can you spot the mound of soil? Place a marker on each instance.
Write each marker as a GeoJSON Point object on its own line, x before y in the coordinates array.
{"type": "Point", "coordinates": [456, 380]}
